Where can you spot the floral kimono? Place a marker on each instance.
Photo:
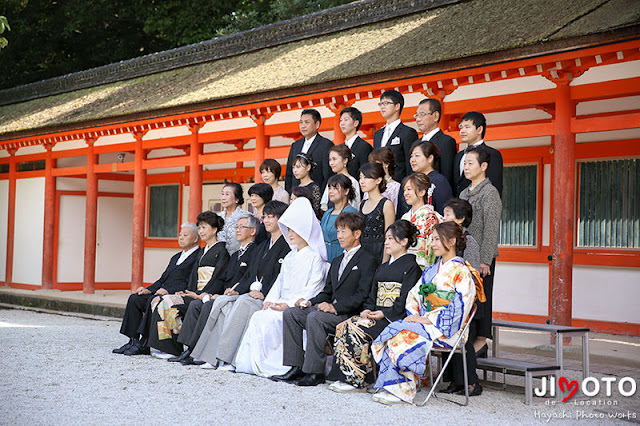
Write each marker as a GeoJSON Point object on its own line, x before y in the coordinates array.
{"type": "Point", "coordinates": [425, 218]}
{"type": "Point", "coordinates": [444, 295]}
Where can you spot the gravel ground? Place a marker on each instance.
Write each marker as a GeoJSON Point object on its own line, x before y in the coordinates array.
{"type": "Point", "coordinates": [60, 370]}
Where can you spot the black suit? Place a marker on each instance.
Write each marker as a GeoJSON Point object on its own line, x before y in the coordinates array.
{"type": "Point", "coordinates": [360, 150]}
{"type": "Point", "coordinates": [401, 151]}
{"type": "Point", "coordinates": [494, 171]}
{"type": "Point", "coordinates": [448, 149]}
{"type": "Point", "coordinates": [173, 279]}
{"type": "Point", "coordinates": [265, 265]}
{"type": "Point", "coordinates": [319, 153]}
{"type": "Point", "coordinates": [347, 295]}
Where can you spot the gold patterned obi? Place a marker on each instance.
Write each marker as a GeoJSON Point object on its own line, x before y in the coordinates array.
{"type": "Point", "coordinates": [204, 275]}
{"type": "Point", "coordinates": [388, 292]}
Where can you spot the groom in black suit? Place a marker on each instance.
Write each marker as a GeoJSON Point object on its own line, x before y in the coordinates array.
{"type": "Point", "coordinates": [313, 145]}
{"type": "Point", "coordinates": [348, 283]}
{"type": "Point", "coordinates": [473, 127]}
{"type": "Point", "coordinates": [428, 121]}
{"type": "Point", "coordinates": [395, 134]}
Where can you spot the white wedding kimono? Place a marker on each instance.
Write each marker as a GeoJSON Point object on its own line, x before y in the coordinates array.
{"type": "Point", "coordinates": [302, 276]}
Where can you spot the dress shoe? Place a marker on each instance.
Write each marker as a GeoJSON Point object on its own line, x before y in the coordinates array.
{"type": "Point", "coordinates": [311, 379]}
{"type": "Point", "coordinates": [482, 353]}
{"type": "Point", "coordinates": [453, 388]}
{"type": "Point", "coordinates": [138, 349]}
{"type": "Point", "coordinates": [477, 390]}
{"type": "Point", "coordinates": [292, 375]}
{"type": "Point", "coordinates": [184, 355]}
{"type": "Point", "coordinates": [345, 388]}
{"type": "Point", "coordinates": [122, 349]}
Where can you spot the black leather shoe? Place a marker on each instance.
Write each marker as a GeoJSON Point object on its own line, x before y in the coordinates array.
{"type": "Point", "coordinates": [482, 353]}
{"type": "Point", "coordinates": [292, 375]}
{"type": "Point", "coordinates": [312, 379]}
{"type": "Point", "coordinates": [187, 361]}
{"type": "Point", "coordinates": [184, 355]}
{"type": "Point", "coordinates": [122, 349]}
{"type": "Point", "coordinates": [477, 390]}
{"type": "Point", "coordinates": [453, 388]}
{"type": "Point", "coordinates": [138, 349]}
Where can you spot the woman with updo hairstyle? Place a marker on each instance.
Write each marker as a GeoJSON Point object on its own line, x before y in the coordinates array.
{"type": "Point", "coordinates": [385, 157]}
{"type": "Point", "coordinates": [302, 168]}
{"type": "Point", "coordinates": [437, 309]}
{"type": "Point", "coordinates": [352, 365]}
{"type": "Point", "coordinates": [425, 158]}
{"type": "Point", "coordinates": [416, 188]}
{"type": "Point", "coordinates": [260, 194]}
{"type": "Point", "coordinates": [339, 160]}
{"type": "Point", "coordinates": [377, 211]}
{"type": "Point", "coordinates": [340, 194]}
{"type": "Point", "coordinates": [231, 198]}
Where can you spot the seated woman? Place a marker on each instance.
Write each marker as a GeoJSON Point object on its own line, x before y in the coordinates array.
{"type": "Point", "coordinates": [340, 194]}
{"type": "Point", "coordinates": [352, 364]}
{"type": "Point", "coordinates": [302, 168]}
{"type": "Point", "coordinates": [437, 308]}
{"type": "Point", "coordinates": [168, 310]}
{"type": "Point", "coordinates": [302, 276]}
{"type": "Point", "coordinates": [416, 192]}
{"type": "Point", "coordinates": [339, 160]}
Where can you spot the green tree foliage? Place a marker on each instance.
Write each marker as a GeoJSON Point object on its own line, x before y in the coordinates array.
{"type": "Point", "coordinates": [4, 25]}
{"type": "Point", "coordinates": [52, 38]}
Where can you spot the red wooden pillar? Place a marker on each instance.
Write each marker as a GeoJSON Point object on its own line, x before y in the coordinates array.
{"type": "Point", "coordinates": [338, 136]}
{"type": "Point", "coordinates": [195, 175]}
{"type": "Point", "coordinates": [564, 164]}
{"type": "Point", "coordinates": [139, 193]}
{"type": "Point", "coordinates": [11, 215]}
{"type": "Point", "coordinates": [49, 220]}
{"type": "Point", "coordinates": [91, 219]}
{"type": "Point", "coordinates": [261, 145]}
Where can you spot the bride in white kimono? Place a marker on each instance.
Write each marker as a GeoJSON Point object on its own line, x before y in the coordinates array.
{"type": "Point", "coordinates": [302, 276]}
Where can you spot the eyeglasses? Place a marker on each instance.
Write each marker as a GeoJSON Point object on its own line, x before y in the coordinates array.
{"type": "Point", "coordinates": [423, 114]}
{"type": "Point", "coordinates": [385, 103]}
{"type": "Point", "coordinates": [243, 227]}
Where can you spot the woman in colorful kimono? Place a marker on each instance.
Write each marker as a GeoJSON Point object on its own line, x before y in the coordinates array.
{"type": "Point", "coordinates": [302, 276]}
{"type": "Point", "coordinates": [437, 308]}
{"type": "Point", "coordinates": [417, 193]}
{"type": "Point", "coordinates": [352, 363]}
{"type": "Point", "coordinates": [168, 311]}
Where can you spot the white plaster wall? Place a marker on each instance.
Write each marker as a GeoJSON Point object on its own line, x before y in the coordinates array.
{"type": "Point", "coordinates": [114, 239]}
{"type": "Point", "coordinates": [521, 288]}
{"type": "Point", "coordinates": [156, 261]}
{"type": "Point", "coordinates": [35, 149]}
{"type": "Point", "coordinates": [606, 293]}
{"type": "Point", "coordinates": [71, 184]}
{"type": "Point", "coordinates": [4, 218]}
{"type": "Point", "coordinates": [71, 238]}
{"type": "Point", "coordinates": [29, 231]}
{"type": "Point", "coordinates": [124, 187]}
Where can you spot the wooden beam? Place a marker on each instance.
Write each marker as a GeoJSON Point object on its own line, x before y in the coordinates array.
{"type": "Point", "coordinates": [606, 123]}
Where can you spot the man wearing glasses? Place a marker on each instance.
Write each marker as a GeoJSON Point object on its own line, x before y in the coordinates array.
{"type": "Point", "coordinates": [395, 134]}
{"type": "Point", "coordinates": [428, 120]}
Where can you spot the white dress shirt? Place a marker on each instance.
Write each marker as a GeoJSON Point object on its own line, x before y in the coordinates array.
{"type": "Point", "coordinates": [348, 255]}
{"type": "Point", "coordinates": [427, 136]}
{"type": "Point", "coordinates": [465, 155]}
{"type": "Point", "coordinates": [307, 144]}
{"type": "Point", "coordinates": [388, 131]}
{"type": "Point", "coordinates": [185, 254]}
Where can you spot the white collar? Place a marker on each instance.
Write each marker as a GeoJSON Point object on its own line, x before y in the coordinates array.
{"type": "Point", "coordinates": [350, 253]}
{"type": "Point", "coordinates": [311, 139]}
{"type": "Point", "coordinates": [191, 250]}
{"type": "Point", "coordinates": [392, 126]}
{"type": "Point", "coordinates": [428, 136]}
{"type": "Point", "coordinates": [349, 142]}
{"type": "Point", "coordinates": [392, 259]}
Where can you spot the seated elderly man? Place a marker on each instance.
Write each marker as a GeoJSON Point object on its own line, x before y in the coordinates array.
{"type": "Point", "coordinates": [174, 279]}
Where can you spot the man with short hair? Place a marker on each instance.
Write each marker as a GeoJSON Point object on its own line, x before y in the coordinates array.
{"type": "Point", "coordinates": [230, 315]}
{"type": "Point", "coordinates": [174, 279]}
{"type": "Point", "coordinates": [473, 127]}
{"type": "Point", "coordinates": [348, 284]}
{"type": "Point", "coordinates": [395, 134]}
{"type": "Point", "coordinates": [428, 120]}
{"type": "Point", "coordinates": [350, 122]}
{"type": "Point", "coordinates": [312, 145]}
{"type": "Point", "coordinates": [199, 310]}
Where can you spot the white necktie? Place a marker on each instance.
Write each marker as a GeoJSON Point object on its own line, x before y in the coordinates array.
{"type": "Point", "coordinates": [385, 136]}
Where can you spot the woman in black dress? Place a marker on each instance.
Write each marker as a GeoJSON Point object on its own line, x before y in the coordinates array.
{"type": "Point", "coordinates": [377, 211]}
{"type": "Point", "coordinates": [302, 168]}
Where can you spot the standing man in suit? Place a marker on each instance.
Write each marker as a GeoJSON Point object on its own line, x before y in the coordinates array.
{"type": "Point", "coordinates": [174, 279]}
{"type": "Point", "coordinates": [348, 283]}
{"type": "Point", "coordinates": [472, 130]}
{"type": "Point", "coordinates": [313, 145]}
{"type": "Point", "coordinates": [350, 121]}
{"type": "Point", "coordinates": [395, 134]}
{"type": "Point", "coordinates": [428, 120]}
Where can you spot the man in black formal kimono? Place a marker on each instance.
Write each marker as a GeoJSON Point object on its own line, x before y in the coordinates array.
{"type": "Point", "coordinates": [428, 120]}
{"type": "Point", "coordinates": [473, 127]}
{"type": "Point", "coordinates": [395, 134]}
{"type": "Point", "coordinates": [350, 122]}
{"type": "Point", "coordinates": [173, 280]}
{"type": "Point", "coordinates": [313, 145]}
{"type": "Point", "coordinates": [198, 310]}
{"type": "Point", "coordinates": [348, 284]}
